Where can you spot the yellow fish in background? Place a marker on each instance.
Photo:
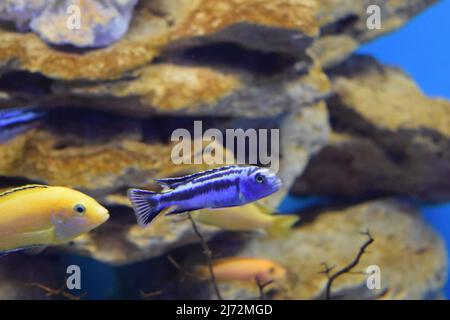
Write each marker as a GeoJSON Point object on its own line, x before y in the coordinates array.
{"type": "Point", "coordinates": [36, 216]}
{"type": "Point", "coordinates": [245, 269]}
{"type": "Point", "coordinates": [251, 217]}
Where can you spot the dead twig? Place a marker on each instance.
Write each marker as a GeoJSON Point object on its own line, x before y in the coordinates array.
{"type": "Point", "coordinates": [262, 286]}
{"type": "Point", "coordinates": [182, 270]}
{"type": "Point", "coordinates": [208, 254]}
{"type": "Point", "coordinates": [147, 295]}
{"type": "Point", "coordinates": [347, 269]}
{"type": "Point", "coordinates": [49, 292]}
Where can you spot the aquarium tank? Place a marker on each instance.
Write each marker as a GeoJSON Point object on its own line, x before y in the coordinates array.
{"type": "Point", "coordinates": [224, 150]}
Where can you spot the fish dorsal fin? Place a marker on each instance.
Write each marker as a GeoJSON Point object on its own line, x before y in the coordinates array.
{"type": "Point", "coordinates": [178, 181]}
{"type": "Point", "coordinates": [18, 189]}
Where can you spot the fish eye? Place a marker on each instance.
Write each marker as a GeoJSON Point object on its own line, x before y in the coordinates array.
{"type": "Point", "coordinates": [79, 209]}
{"type": "Point", "coordinates": [272, 270]}
{"type": "Point", "coordinates": [260, 178]}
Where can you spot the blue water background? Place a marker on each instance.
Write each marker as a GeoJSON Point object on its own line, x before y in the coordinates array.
{"type": "Point", "coordinates": [421, 49]}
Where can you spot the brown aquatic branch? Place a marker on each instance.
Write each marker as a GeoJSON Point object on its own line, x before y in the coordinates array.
{"type": "Point", "coordinates": [182, 270]}
{"type": "Point", "coordinates": [208, 254]}
{"type": "Point", "coordinates": [347, 269]}
{"type": "Point", "coordinates": [261, 287]}
{"type": "Point", "coordinates": [147, 295]}
{"type": "Point", "coordinates": [61, 292]}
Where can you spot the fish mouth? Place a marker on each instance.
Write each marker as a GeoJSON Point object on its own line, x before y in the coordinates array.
{"type": "Point", "coordinates": [102, 217]}
{"type": "Point", "coordinates": [278, 184]}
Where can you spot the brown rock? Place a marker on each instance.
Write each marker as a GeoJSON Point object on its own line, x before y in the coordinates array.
{"type": "Point", "coordinates": [350, 17]}
{"type": "Point", "coordinates": [410, 256]}
{"type": "Point", "coordinates": [156, 24]}
{"type": "Point", "coordinates": [114, 155]}
{"type": "Point", "coordinates": [343, 24]}
{"type": "Point", "coordinates": [395, 140]}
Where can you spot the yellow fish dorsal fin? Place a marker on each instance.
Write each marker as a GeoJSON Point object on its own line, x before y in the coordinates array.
{"type": "Point", "coordinates": [18, 189]}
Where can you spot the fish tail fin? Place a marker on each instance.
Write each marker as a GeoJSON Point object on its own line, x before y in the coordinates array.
{"type": "Point", "coordinates": [282, 225]}
{"type": "Point", "coordinates": [145, 204]}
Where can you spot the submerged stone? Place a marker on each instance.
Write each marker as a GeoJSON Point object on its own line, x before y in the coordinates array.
{"type": "Point", "coordinates": [80, 23]}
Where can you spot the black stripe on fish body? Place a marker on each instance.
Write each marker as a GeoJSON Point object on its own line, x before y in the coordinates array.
{"type": "Point", "coordinates": [195, 190]}
{"type": "Point", "coordinates": [18, 189]}
{"type": "Point", "coordinates": [177, 181]}
{"type": "Point", "coordinates": [216, 175]}
{"type": "Point", "coordinates": [252, 170]}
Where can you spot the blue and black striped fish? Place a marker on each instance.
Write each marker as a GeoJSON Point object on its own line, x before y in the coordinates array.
{"type": "Point", "coordinates": [228, 186]}
{"type": "Point", "coordinates": [16, 121]}
{"type": "Point", "coordinates": [11, 117]}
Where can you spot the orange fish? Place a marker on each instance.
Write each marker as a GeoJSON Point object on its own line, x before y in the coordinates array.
{"type": "Point", "coordinates": [245, 269]}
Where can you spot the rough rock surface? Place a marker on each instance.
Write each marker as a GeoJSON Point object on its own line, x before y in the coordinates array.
{"type": "Point", "coordinates": [231, 64]}
{"type": "Point", "coordinates": [183, 23]}
{"type": "Point", "coordinates": [80, 23]}
{"type": "Point", "coordinates": [349, 17]}
{"type": "Point", "coordinates": [160, 23]}
{"type": "Point", "coordinates": [390, 138]}
{"type": "Point", "coordinates": [411, 257]}
{"type": "Point", "coordinates": [121, 153]}
{"type": "Point", "coordinates": [123, 242]}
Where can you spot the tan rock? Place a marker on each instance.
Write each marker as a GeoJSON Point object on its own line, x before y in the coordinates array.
{"type": "Point", "coordinates": [166, 87]}
{"type": "Point", "coordinates": [156, 24]}
{"type": "Point", "coordinates": [394, 140]}
{"type": "Point", "coordinates": [391, 100]}
{"type": "Point", "coordinates": [350, 17]}
{"type": "Point", "coordinates": [410, 255]}
{"type": "Point", "coordinates": [121, 154]}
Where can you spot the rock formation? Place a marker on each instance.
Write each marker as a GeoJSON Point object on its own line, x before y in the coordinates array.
{"type": "Point", "coordinates": [115, 90]}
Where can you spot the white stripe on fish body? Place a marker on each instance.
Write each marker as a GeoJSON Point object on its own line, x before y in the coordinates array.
{"type": "Point", "coordinates": [178, 181]}
{"type": "Point", "coordinates": [218, 188]}
{"type": "Point", "coordinates": [197, 195]}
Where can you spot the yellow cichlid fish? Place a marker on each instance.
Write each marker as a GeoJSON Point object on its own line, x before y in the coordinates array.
{"type": "Point", "coordinates": [37, 216]}
{"type": "Point", "coordinates": [251, 217]}
{"type": "Point", "coordinates": [245, 269]}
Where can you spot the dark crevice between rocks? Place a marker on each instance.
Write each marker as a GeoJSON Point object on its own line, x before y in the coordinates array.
{"type": "Point", "coordinates": [77, 127]}
{"type": "Point", "coordinates": [231, 56]}
{"type": "Point", "coordinates": [344, 25]}
{"type": "Point", "coordinates": [97, 125]}
{"type": "Point", "coordinates": [8, 26]}
{"type": "Point", "coordinates": [22, 84]}
{"type": "Point", "coordinates": [354, 65]}
{"type": "Point", "coordinates": [67, 48]}
{"type": "Point", "coordinates": [13, 182]}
